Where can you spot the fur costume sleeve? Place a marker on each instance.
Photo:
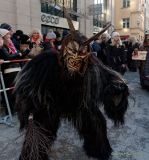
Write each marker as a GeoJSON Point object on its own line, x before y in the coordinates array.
{"type": "Point", "coordinates": [106, 87]}
{"type": "Point", "coordinates": [115, 95]}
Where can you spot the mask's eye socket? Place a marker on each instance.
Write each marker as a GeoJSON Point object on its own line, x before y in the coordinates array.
{"type": "Point", "coordinates": [83, 50]}
{"type": "Point", "coordinates": [70, 48]}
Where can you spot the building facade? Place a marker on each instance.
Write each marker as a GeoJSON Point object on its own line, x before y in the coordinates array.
{"type": "Point", "coordinates": [21, 14]}
{"type": "Point", "coordinates": [146, 13]}
{"type": "Point", "coordinates": [53, 16]}
{"type": "Point", "coordinates": [129, 18]}
{"type": "Point", "coordinates": [103, 12]}
{"type": "Point", "coordinates": [85, 19]}
{"type": "Point", "coordinates": [45, 14]}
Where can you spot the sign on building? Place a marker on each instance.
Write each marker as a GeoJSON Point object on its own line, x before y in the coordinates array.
{"type": "Point", "coordinates": [55, 21]}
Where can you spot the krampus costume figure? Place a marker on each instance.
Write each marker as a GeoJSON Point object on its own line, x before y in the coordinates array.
{"type": "Point", "coordinates": [72, 84]}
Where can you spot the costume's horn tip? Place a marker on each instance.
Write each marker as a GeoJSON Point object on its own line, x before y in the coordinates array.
{"type": "Point", "coordinates": [108, 24]}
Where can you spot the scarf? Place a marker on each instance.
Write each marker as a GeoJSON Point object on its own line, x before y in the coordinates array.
{"type": "Point", "coordinates": [12, 49]}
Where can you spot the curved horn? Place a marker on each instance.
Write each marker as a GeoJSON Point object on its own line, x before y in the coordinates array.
{"type": "Point", "coordinates": [71, 27]}
{"type": "Point", "coordinates": [70, 24]}
{"type": "Point", "coordinates": [97, 35]}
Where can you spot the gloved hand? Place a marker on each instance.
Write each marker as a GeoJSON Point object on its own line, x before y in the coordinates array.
{"type": "Point", "coordinates": [116, 88]}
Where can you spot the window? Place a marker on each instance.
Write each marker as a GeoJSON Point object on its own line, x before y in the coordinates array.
{"type": "Point", "coordinates": [126, 22]}
{"type": "Point", "coordinates": [99, 10]}
{"type": "Point", "coordinates": [97, 22]}
{"type": "Point", "coordinates": [52, 8]}
{"type": "Point", "coordinates": [126, 3]}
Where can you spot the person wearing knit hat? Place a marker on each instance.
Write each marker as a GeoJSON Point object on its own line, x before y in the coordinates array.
{"type": "Point", "coordinates": [51, 35]}
{"type": "Point", "coordinates": [5, 54]}
{"type": "Point", "coordinates": [50, 40]}
{"type": "Point", "coordinates": [9, 30]}
{"type": "Point", "coordinates": [116, 40]}
{"type": "Point", "coordinates": [10, 70]}
{"type": "Point", "coordinates": [115, 34]}
{"type": "Point", "coordinates": [3, 32]}
{"type": "Point", "coordinates": [8, 27]}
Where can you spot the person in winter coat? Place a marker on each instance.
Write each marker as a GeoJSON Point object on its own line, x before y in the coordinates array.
{"type": "Point", "coordinates": [144, 64]}
{"type": "Point", "coordinates": [9, 70]}
{"type": "Point", "coordinates": [104, 47]}
{"type": "Point", "coordinates": [16, 39]}
{"type": "Point", "coordinates": [11, 44]}
{"type": "Point", "coordinates": [36, 44]}
{"type": "Point", "coordinates": [8, 27]}
{"type": "Point", "coordinates": [116, 56]}
{"type": "Point", "coordinates": [131, 47]}
{"type": "Point", "coordinates": [58, 41]}
{"type": "Point", "coordinates": [96, 49]}
{"type": "Point", "coordinates": [49, 42]}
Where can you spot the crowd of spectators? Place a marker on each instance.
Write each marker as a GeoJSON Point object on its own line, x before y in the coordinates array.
{"type": "Point", "coordinates": [115, 53]}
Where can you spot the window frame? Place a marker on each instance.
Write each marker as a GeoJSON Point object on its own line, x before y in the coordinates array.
{"type": "Point", "coordinates": [125, 3]}
{"type": "Point", "coordinates": [126, 22]}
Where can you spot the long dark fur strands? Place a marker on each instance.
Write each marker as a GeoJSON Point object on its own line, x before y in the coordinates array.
{"type": "Point", "coordinates": [45, 89]}
{"type": "Point", "coordinates": [37, 142]}
{"type": "Point", "coordinates": [115, 94]}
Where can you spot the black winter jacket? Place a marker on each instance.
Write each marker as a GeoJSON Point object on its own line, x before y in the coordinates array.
{"type": "Point", "coordinates": [116, 56]}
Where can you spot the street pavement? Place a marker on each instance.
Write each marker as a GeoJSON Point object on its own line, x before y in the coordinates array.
{"type": "Point", "coordinates": [129, 142]}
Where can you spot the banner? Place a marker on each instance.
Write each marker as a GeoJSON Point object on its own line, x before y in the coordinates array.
{"type": "Point", "coordinates": [139, 55]}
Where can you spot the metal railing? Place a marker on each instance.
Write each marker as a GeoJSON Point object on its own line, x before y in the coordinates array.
{"type": "Point", "coordinates": [8, 119]}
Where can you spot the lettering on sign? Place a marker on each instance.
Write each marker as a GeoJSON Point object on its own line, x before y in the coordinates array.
{"type": "Point", "coordinates": [49, 19]}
